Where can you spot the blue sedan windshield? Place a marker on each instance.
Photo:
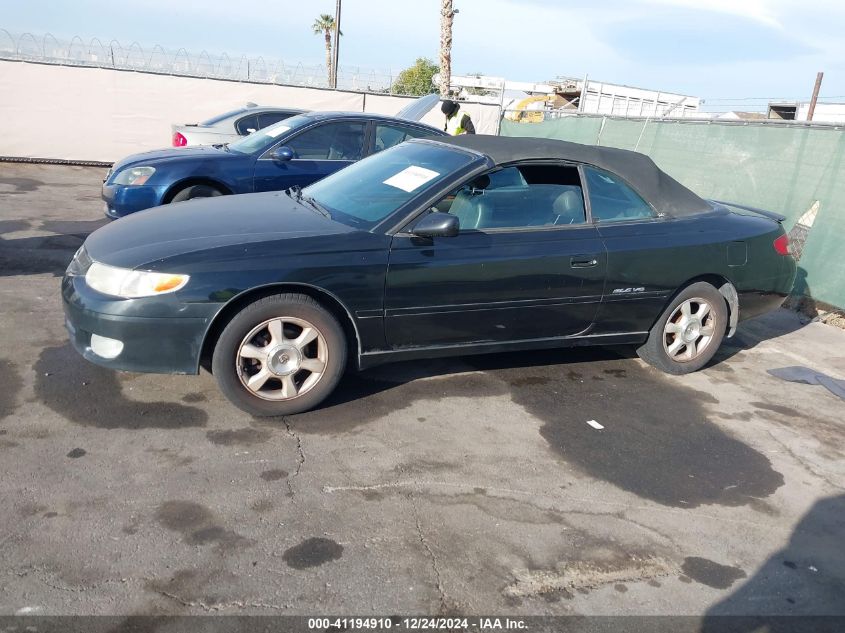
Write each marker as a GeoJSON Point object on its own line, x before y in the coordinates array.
{"type": "Point", "coordinates": [267, 136]}
{"type": "Point", "coordinates": [365, 193]}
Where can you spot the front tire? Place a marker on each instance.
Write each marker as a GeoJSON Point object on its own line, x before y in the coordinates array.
{"type": "Point", "coordinates": [196, 191]}
{"type": "Point", "coordinates": [689, 332]}
{"type": "Point", "coordinates": [283, 354]}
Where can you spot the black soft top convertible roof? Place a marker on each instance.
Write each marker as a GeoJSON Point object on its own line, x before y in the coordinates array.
{"type": "Point", "coordinates": [663, 192]}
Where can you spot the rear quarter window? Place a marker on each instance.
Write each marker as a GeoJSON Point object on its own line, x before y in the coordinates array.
{"type": "Point", "coordinates": [611, 200]}
{"type": "Point", "coordinates": [390, 134]}
{"type": "Point", "coordinates": [247, 125]}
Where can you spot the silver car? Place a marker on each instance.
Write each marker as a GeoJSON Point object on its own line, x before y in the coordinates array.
{"type": "Point", "coordinates": [230, 126]}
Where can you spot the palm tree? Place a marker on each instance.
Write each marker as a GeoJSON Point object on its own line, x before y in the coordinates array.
{"type": "Point", "coordinates": [447, 14]}
{"type": "Point", "coordinates": [325, 25]}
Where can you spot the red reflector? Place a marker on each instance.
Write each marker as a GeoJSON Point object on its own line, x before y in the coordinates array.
{"type": "Point", "coordinates": [781, 245]}
{"type": "Point", "coordinates": [179, 140]}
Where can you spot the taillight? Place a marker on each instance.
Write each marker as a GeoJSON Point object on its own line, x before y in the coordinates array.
{"type": "Point", "coordinates": [179, 140]}
{"type": "Point", "coordinates": [781, 245]}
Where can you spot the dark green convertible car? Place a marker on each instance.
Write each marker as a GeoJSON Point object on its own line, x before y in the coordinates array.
{"type": "Point", "coordinates": [436, 247]}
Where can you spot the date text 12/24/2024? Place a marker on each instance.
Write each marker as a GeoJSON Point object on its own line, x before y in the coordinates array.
{"type": "Point", "coordinates": [417, 624]}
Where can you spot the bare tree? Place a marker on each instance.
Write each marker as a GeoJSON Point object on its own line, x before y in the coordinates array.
{"type": "Point", "coordinates": [325, 24]}
{"type": "Point", "coordinates": [447, 14]}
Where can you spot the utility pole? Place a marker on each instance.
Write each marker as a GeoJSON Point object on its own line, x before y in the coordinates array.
{"type": "Point", "coordinates": [336, 44]}
{"type": "Point", "coordinates": [447, 14]}
{"type": "Point", "coordinates": [815, 97]}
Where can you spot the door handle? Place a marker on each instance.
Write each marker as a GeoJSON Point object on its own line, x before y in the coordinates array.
{"type": "Point", "coordinates": [583, 261]}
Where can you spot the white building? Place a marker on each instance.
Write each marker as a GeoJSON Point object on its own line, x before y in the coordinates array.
{"type": "Point", "coordinates": [628, 101]}
{"type": "Point", "coordinates": [798, 111]}
{"type": "Point", "coordinates": [570, 95]}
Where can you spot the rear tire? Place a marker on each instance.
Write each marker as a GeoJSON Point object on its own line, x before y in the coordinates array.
{"type": "Point", "coordinates": [689, 332]}
{"type": "Point", "coordinates": [283, 354]}
{"type": "Point", "coordinates": [196, 191]}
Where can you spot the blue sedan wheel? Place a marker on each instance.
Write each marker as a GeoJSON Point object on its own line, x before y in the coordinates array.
{"type": "Point", "coordinates": [196, 191]}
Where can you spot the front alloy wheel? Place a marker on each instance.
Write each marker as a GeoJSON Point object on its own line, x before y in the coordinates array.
{"type": "Point", "coordinates": [282, 358]}
{"type": "Point", "coordinates": [280, 355]}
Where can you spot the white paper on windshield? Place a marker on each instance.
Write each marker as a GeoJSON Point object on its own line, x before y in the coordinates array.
{"type": "Point", "coordinates": [411, 178]}
{"type": "Point", "coordinates": [277, 131]}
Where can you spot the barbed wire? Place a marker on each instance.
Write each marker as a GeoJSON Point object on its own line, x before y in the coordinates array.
{"type": "Point", "coordinates": [96, 53]}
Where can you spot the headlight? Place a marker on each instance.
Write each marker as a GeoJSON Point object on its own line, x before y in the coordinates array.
{"type": "Point", "coordinates": [79, 264]}
{"type": "Point", "coordinates": [130, 284]}
{"type": "Point", "coordinates": [134, 176]}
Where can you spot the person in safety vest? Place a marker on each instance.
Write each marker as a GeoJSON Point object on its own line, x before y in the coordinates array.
{"type": "Point", "coordinates": [457, 121]}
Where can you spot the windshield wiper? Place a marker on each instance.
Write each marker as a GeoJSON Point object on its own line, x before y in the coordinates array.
{"type": "Point", "coordinates": [294, 192]}
{"type": "Point", "coordinates": [314, 205]}
{"type": "Point", "coordinates": [223, 146]}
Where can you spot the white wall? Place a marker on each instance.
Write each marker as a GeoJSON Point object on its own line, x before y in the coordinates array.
{"type": "Point", "coordinates": [98, 114]}
{"type": "Point", "coordinates": [824, 112]}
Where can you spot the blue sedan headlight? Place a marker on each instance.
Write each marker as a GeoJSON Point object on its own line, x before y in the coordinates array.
{"type": "Point", "coordinates": [134, 176]}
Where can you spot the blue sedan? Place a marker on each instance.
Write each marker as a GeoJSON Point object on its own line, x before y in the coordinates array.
{"type": "Point", "coordinates": [295, 152]}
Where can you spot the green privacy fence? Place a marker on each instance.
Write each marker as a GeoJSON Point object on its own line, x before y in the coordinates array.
{"type": "Point", "coordinates": [777, 167]}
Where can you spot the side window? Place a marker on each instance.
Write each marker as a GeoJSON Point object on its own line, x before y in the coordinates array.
{"type": "Point", "coordinates": [247, 125]}
{"type": "Point", "coordinates": [269, 118]}
{"type": "Point", "coordinates": [340, 140]}
{"type": "Point", "coordinates": [519, 197]}
{"type": "Point", "coordinates": [611, 200]}
{"type": "Point", "coordinates": [390, 135]}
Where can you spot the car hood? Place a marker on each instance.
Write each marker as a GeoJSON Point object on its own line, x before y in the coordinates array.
{"type": "Point", "coordinates": [156, 157]}
{"type": "Point", "coordinates": [141, 240]}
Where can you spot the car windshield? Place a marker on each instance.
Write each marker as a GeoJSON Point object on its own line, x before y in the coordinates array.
{"type": "Point", "coordinates": [366, 192]}
{"type": "Point", "coordinates": [222, 117]}
{"type": "Point", "coordinates": [263, 138]}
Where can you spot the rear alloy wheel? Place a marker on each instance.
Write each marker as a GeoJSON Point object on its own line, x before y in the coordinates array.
{"type": "Point", "coordinates": [689, 332]}
{"type": "Point", "coordinates": [196, 191]}
{"type": "Point", "coordinates": [280, 355]}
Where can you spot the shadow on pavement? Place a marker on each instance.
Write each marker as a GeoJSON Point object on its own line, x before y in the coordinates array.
{"type": "Point", "coordinates": [805, 578]}
{"type": "Point", "coordinates": [43, 253]}
{"type": "Point", "coordinates": [758, 330]}
{"type": "Point", "coordinates": [89, 395]}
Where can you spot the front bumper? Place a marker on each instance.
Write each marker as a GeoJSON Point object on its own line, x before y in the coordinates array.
{"type": "Point", "coordinates": [121, 200]}
{"type": "Point", "coordinates": [164, 345]}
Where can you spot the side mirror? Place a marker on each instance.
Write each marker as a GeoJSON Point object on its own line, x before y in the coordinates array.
{"type": "Point", "coordinates": [437, 224]}
{"type": "Point", "coordinates": [282, 154]}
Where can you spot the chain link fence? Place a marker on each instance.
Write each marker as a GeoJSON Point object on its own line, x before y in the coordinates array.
{"type": "Point", "coordinates": [97, 53]}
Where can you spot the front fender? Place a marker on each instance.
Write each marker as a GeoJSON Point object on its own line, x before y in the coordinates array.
{"type": "Point", "coordinates": [238, 302]}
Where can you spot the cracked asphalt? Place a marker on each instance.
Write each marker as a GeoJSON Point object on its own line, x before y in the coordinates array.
{"type": "Point", "coordinates": [469, 486]}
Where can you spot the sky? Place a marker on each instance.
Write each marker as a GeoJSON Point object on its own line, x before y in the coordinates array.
{"type": "Point", "coordinates": [725, 51]}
